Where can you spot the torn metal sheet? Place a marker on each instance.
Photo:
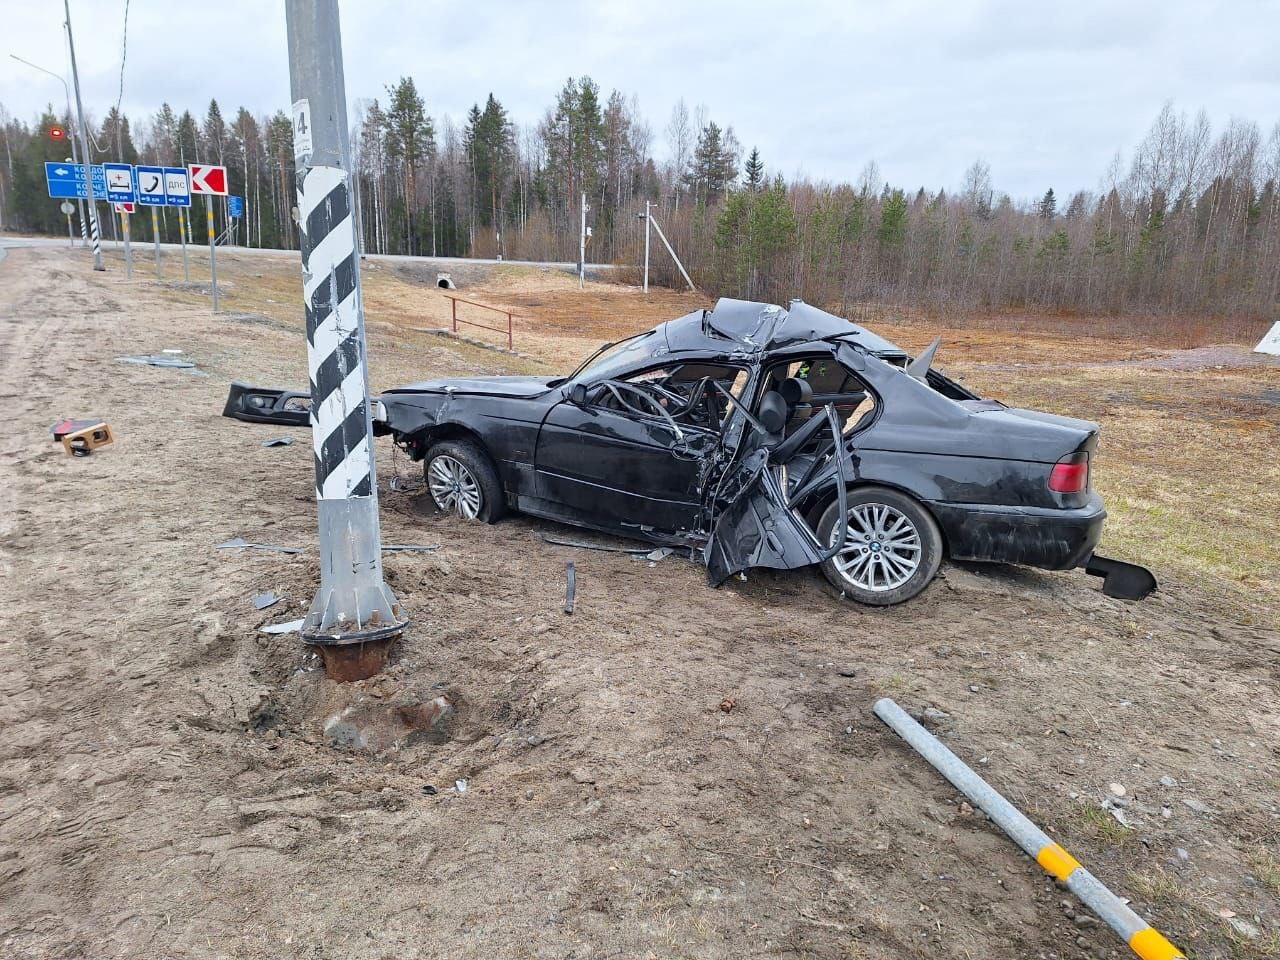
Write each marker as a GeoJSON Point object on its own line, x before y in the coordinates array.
{"type": "Point", "coordinates": [263, 600]}
{"type": "Point", "coordinates": [278, 442]}
{"type": "Point", "coordinates": [292, 626]}
{"type": "Point", "coordinates": [239, 543]}
{"type": "Point", "coordinates": [755, 435]}
{"type": "Point", "coordinates": [159, 361]}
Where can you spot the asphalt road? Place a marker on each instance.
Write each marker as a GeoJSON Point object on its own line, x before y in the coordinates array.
{"type": "Point", "coordinates": [10, 241]}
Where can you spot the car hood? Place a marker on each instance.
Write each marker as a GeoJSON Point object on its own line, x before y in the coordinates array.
{"type": "Point", "coordinates": [481, 386]}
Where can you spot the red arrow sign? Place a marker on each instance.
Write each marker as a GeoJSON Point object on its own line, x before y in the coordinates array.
{"type": "Point", "coordinates": [208, 179]}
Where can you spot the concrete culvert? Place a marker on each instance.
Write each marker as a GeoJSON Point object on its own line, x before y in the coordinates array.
{"type": "Point", "coordinates": [445, 282]}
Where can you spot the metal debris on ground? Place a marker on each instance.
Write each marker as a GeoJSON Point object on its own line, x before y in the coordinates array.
{"type": "Point", "coordinates": [460, 786]}
{"type": "Point", "coordinates": [278, 442]}
{"type": "Point", "coordinates": [263, 600]}
{"type": "Point", "coordinates": [571, 586]}
{"type": "Point", "coordinates": [429, 790]}
{"type": "Point", "coordinates": [239, 543]}
{"type": "Point", "coordinates": [159, 361]}
{"type": "Point", "coordinates": [604, 548]}
{"type": "Point", "coordinates": [292, 626]}
{"type": "Point", "coordinates": [402, 485]}
{"type": "Point", "coordinates": [81, 437]}
{"type": "Point", "coordinates": [408, 547]}
{"type": "Point", "coordinates": [653, 556]}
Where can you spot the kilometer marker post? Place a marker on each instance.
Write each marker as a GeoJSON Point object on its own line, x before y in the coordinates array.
{"type": "Point", "coordinates": [354, 617]}
{"type": "Point", "coordinates": [1143, 939]}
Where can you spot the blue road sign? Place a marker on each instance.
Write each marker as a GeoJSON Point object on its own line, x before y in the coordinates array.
{"type": "Point", "coordinates": [120, 183]}
{"type": "Point", "coordinates": [235, 207]}
{"type": "Point", "coordinates": [67, 180]}
{"type": "Point", "coordinates": [177, 187]}
{"type": "Point", "coordinates": [151, 186]}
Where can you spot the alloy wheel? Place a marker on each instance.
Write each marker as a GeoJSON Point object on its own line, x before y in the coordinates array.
{"type": "Point", "coordinates": [454, 488]}
{"type": "Point", "coordinates": [882, 549]}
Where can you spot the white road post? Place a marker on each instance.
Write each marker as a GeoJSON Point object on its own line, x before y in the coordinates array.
{"type": "Point", "coordinates": [354, 617]}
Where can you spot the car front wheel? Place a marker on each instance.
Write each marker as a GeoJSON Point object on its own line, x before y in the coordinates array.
{"type": "Point", "coordinates": [462, 480]}
{"type": "Point", "coordinates": [892, 547]}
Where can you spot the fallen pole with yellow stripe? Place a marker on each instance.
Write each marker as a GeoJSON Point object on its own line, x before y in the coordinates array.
{"type": "Point", "coordinates": [1141, 937]}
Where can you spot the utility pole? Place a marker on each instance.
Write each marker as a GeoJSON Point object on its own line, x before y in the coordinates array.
{"type": "Point", "coordinates": [647, 205]}
{"type": "Point", "coordinates": [84, 148]}
{"type": "Point", "coordinates": [582, 245]}
{"type": "Point", "coordinates": [663, 237]}
{"type": "Point", "coordinates": [354, 617]}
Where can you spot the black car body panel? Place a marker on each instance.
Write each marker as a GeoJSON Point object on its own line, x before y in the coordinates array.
{"type": "Point", "coordinates": [661, 437]}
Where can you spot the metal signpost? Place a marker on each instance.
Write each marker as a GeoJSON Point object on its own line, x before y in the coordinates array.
{"type": "Point", "coordinates": [124, 209]}
{"type": "Point", "coordinates": [354, 617]}
{"type": "Point", "coordinates": [68, 208]}
{"type": "Point", "coordinates": [177, 193]}
{"type": "Point", "coordinates": [151, 194]}
{"type": "Point", "coordinates": [209, 181]}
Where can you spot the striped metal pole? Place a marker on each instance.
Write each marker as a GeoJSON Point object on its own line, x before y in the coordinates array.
{"type": "Point", "coordinates": [354, 617]}
{"type": "Point", "coordinates": [1142, 938]}
{"type": "Point", "coordinates": [213, 257]}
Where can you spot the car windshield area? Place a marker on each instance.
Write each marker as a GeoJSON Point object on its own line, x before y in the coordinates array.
{"type": "Point", "coordinates": [614, 357]}
{"type": "Point", "coordinates": [685, 392]}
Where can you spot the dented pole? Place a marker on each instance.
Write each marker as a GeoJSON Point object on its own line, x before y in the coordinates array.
{"type": "Point", "coordinates": [354, 617]}
{"type": "Point", "coordinates": [1142, 938]}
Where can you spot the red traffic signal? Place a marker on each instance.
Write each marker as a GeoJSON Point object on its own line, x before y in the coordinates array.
{"type": "Point", "coordinates": [57, 133]}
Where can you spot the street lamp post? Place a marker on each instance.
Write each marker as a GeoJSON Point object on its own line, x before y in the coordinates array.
{"type": "Point", "coordinates": [84, 147]}
{"type": "Point", "coordinates": [84, 229]}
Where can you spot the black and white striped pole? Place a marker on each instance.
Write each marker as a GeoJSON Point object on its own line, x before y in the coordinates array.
{"type": "Point", "coordinates": [354, 617]}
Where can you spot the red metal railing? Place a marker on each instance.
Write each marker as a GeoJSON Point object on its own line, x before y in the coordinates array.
{"type": "Point", "coordinates": [483, 326]}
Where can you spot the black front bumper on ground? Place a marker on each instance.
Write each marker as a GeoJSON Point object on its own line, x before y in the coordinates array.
{"type": "Point", "coordinates": [1041, 537]}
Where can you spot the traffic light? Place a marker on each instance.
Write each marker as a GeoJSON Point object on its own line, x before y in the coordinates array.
{"type": "Point", "coordinates": [57, 133]}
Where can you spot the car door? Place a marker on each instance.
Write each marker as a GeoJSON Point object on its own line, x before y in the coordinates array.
{"type": "Point", "coordinates": [622, 464]}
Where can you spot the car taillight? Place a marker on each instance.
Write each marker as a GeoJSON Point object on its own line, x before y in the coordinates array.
{"type": "Point", "coordinates": [1070, 474]}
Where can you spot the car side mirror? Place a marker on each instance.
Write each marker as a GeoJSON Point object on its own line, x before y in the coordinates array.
{"type": "Point", "coordinates": [578, 394]}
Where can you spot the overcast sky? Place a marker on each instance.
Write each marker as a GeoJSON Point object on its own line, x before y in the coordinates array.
{"type": "Point", "coordinates": [1044, 92]}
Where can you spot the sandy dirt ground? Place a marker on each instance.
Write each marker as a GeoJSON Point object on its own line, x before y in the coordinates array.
{"type": "Point", "coordinates": [167, 789]}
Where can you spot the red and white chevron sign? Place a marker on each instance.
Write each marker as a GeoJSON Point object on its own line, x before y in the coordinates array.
{"type": "Point", "coordinates": [208, 179]}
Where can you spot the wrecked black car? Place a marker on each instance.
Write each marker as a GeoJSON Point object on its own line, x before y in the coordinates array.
{"type": "Point", "coordinates": [769, 437]}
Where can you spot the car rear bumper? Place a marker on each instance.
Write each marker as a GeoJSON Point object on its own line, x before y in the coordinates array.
{"type": "Point", "coordinates": [1036, 536]}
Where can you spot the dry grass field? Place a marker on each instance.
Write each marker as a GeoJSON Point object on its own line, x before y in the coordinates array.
{"type": "Point", "coordinates": [167, 789]}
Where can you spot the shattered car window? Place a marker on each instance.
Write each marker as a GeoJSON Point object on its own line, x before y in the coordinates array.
{"type": "Point", "coordinates": [684, 391]}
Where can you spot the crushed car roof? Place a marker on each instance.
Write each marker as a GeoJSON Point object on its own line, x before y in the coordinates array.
{"type": "Point", "coordinates": [767, 326]}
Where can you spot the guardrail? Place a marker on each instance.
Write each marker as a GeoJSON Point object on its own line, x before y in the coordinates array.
{"type": "Point", "coordinates": [483, 326]}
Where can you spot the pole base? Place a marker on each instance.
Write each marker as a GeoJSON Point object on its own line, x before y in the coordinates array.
{"type": "Point", "coordinates": [356, 661]}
